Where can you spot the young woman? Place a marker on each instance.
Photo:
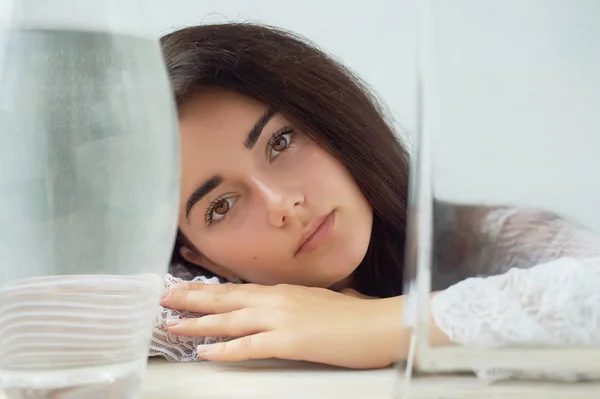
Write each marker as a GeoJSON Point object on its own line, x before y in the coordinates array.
{"type": "Point", "coordinates": [294, 183]}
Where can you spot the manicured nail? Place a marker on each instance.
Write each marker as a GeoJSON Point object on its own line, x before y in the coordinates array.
{"type": "Point", "coordinates": [165, 294]}
{"type": "Point", "coordinates": [172, 322]}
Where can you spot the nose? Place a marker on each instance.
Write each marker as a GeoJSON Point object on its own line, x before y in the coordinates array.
{"type": "Point", "coordinates": [281, 203]}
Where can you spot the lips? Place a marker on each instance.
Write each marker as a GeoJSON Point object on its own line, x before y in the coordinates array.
{"type": "Point", "coordinates": [316, 233]}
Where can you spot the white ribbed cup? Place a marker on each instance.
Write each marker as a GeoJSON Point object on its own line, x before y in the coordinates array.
{"type": "Point", "coordinates": [82, 334]}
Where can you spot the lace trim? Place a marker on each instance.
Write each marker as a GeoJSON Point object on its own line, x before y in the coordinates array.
{"type": "Point", "coordinates": [173, 347]}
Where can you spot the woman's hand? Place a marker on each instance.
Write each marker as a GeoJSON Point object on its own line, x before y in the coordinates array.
{"type": "Point", "coordinates": [291, 322]}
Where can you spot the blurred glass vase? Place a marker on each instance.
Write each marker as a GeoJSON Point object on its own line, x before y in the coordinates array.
{"type": "Point", "coordinates": [89, 190]}
{"type": "Point", "coordinates": [504, 202]}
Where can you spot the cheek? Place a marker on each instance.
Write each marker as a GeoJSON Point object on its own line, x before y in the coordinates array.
{"type": "Point", "coordinates": [322, 172]}
{"type": "Point", "coordinates": [249, 251]}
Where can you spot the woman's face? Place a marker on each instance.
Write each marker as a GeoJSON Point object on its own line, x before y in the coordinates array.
{"type": "Point", "coordinates": [261, 201]}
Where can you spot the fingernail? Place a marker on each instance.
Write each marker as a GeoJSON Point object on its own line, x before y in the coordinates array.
{"type": "Point", "coordinates": [165, 294]}
{"type": "Point", "coordinates": [202, 348]}
{"type": "Point", "coordinates": [172, 322]}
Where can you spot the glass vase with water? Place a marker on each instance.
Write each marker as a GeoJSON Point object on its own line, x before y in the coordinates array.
{"type": "Point", "coordinates": [89, 185]}
{"type": "Point", "coordinates": [504, 186]}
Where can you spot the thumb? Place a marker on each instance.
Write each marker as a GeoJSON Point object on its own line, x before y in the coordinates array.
{"type": "Point", "coordinates": [355, 294]}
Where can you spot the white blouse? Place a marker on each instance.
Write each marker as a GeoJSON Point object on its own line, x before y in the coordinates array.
{"type": "Point", "coordinates": [547, 291]}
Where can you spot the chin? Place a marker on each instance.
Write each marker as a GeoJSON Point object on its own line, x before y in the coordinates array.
{"type": "Point", "coordinates": [342, 260]}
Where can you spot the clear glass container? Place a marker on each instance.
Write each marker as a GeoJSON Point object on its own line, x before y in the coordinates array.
{"type": "Point", "coordinates": [89, 193]}
{"type": "Point", "coordinates": [508, 99]}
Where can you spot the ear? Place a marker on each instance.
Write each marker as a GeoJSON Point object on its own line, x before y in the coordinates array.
{"type": "Point", "coordinates": [202, 261]}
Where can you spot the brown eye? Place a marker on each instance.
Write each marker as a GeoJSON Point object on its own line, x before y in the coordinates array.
{"type": "Point", "coordinates": [221, 207]}
{"type": "Point", "coordinates": [280, 144]}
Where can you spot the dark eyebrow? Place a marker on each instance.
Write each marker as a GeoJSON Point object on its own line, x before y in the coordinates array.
{"type": "Point", "coordinates": [201, 191]}
{"type": "Point", "coordinates": [257, 129]}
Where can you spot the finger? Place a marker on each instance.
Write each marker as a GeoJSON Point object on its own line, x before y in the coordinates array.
{"type": "Point", "coordinates": [209, 298]}
{"type": "Point", "coordinates": [231, 324]}
{"type": "Point", "coordinates": [245, 286]}
{"type": "Point", "coordinates": [258, 346]}
{"type": "Point", "coordinates": [355, 294]}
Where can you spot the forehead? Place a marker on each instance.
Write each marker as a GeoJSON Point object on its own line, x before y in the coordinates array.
{"type": "Point", "coordinates": [215, 123]}
{"type": "Point", "coordinates": [219, 111]}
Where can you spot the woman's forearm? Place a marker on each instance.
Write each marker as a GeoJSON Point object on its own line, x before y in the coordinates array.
{"type": "Point", "coordinates": [397, 336]}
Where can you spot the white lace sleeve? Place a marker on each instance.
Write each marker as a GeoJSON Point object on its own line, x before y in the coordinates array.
{"type": "Point", "coordinates": [554, 301]}
{"type": "Point", "coordinates": [174, 347]}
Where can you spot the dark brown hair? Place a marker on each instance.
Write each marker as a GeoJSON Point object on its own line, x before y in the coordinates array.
{"type": "Point", "coordinates": [330, 103]}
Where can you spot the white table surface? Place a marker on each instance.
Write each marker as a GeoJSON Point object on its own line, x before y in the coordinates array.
{"type": "Point", "coordinates": [274, 379]}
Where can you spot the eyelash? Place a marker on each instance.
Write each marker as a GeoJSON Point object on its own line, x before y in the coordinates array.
{"type": "Point", "coordinates": [209, 218]}
{"type": "Point", "coordinates": [278, 134]}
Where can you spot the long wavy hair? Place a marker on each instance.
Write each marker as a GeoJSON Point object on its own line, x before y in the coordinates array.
{"type": "Point", "coordinates": [328, 101]}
